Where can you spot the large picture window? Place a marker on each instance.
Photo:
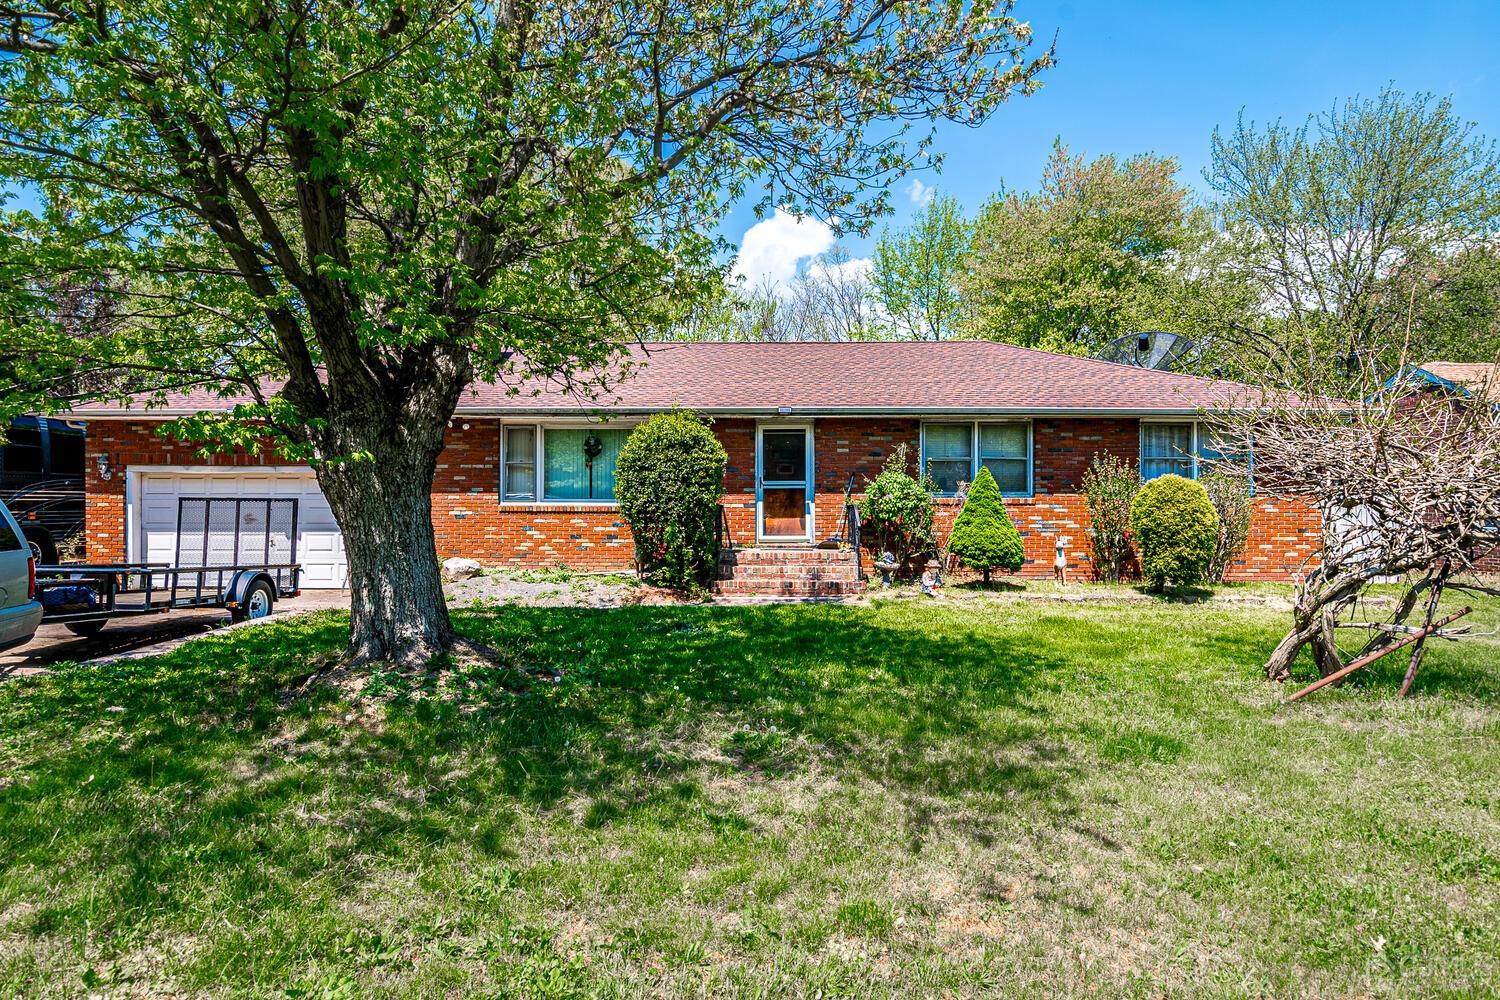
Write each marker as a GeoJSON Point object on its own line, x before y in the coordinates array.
{"type": "Point", "coordinates": [954, 453]}
{"type": "Point", "coordinates": [560, 463]}
{"type": "Point", "coordinates": [1185, 448]}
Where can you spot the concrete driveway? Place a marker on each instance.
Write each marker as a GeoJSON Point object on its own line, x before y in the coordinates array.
{"type": "Point", "coordinates": [147, 635]}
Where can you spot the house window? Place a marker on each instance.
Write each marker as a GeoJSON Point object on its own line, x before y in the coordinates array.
{"type": "Point", "coordinates": [554, 463]}
{"type": "Point", "coordinates": [954, 454]}
{"type": "Point", "coordinates": [1005, 449]}
{"type": "Point", "coordinates": [520, 463]}
{"type": "Point", "coordinates": [1186, 448]}
{"type": "Point", "coordinates": [568, 473]}
{"type": "Point", "coordinates": [1168, 449]}
{"type": "Point", "coordinates": [948, 454]}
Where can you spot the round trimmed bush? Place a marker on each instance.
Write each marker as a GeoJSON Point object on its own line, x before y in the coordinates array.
{"type": "Point", "coordinates": [1176, 530]}
{"type": "Point", "coordinates": [669, 479]}
{"type": "Point", "coordinates": [983, 536]}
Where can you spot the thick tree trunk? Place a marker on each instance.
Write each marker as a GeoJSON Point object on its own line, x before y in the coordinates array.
{"type": "Point", "coordinates": [382, 501]}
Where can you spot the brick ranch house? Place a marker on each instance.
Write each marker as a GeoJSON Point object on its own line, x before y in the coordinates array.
{"type": "Point", "coordinates": [799, 421]}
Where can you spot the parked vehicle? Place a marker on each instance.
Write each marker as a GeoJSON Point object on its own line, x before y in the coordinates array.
{"type": "Point", "coordinates": [20, 613]}
{"type": "Point", "coordinates": [41, 480]}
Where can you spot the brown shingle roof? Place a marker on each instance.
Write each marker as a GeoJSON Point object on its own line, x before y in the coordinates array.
{"type": "Point", "coordinates": [834, 377]}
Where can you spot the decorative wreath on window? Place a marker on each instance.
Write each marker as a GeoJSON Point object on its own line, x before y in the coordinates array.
{"type": "Point", "coordinates": [592, 448]}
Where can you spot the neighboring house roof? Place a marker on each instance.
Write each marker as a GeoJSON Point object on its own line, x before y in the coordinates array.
{"type": "Point", "coordinates": [1481, 381]}
{"type": "Point", "coordinates": [825, 378]}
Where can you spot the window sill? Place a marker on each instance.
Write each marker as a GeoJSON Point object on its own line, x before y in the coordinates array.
{"type": "Point", "coordinates": [559, 506]}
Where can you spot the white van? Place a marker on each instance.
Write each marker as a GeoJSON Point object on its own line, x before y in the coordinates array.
{"type": "Point", "coordinates": [19, 611]}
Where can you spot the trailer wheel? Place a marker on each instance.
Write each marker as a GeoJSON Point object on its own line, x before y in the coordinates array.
{"type": "Point", "coordinates": [86, 629]}
{"type": "Point", "coordinates": [259, 599]}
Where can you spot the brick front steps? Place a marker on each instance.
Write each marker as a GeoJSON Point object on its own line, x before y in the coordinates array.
{"type": "Point", "coordinates": [788, 573]}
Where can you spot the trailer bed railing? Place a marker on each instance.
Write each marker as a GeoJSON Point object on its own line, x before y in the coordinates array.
{"type": "Point", "coordinates": [116, 589]}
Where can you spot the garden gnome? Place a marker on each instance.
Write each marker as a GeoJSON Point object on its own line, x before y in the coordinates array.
{"type": "Point", "coordinates": [932, 580]}
{"type": "Point", "coordinates": [1060, 564]}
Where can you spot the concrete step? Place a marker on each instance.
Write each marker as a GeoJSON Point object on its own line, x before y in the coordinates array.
{"type": "Point", "coordinates": [790, 571]}
{"type": "Point", "coordinates": [764, 556]}
{"type": "Point", "coordinates": [789, 588]}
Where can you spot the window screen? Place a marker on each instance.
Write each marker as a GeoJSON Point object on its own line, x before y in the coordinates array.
{"type": "Point", "coordinates": [949, 454]}
{"type": "Point", "coordinates": [1005, 449]}
{"type": "Point", "coordinates": [1166, 449]}
{"type": "Point", "coordinates": [520, 463]}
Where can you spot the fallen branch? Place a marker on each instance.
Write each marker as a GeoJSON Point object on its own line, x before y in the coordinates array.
{"type": "Point", "coordinates": [1369, 658]}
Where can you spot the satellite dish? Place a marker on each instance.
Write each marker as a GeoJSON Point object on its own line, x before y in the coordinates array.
{"type": "Point", "coordinates": [1147, 349]}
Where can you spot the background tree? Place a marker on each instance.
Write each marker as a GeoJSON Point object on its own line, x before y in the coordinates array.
{"type": "Point", "coordinates": [983, 536]}
{"type": "Point", "coordinates": [353, 212]}
{"type": "Point", "coordinates": [917, 270]}
{"type": "Point", "coordinates": [1456, 309]}
{"type": "Point", "coordinates": [1342, 223]}
{"type": "Point", "coordinates": [1102, 249]}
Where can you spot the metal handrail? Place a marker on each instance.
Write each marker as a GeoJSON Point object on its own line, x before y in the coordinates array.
{"type": "Point", "coordinates": [723, 541]}
{"type": "Point", "coordinates": [851, 532]}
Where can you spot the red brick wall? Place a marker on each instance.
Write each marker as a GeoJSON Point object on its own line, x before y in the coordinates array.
{"type": "Point", "coordinates": [126, 444]}
{"type": "Point", "coordinates": [469, 520]}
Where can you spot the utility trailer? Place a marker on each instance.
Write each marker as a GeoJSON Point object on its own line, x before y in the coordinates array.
{"type": "Point", "coordinates": [237, 553]}
{"type": "Point", "coordinates": [84, 598]}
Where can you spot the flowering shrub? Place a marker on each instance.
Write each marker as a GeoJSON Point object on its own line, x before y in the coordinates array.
{"type": "Point", "coordinates": [897, 513]}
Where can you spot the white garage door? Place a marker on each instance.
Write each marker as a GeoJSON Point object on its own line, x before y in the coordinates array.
{"type": "Point", "coordinates": [320, 547]}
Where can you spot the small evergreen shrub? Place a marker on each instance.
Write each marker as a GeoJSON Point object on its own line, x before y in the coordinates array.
{"type": "Point", "coordinates": [983, 536]}
{"type": "Point", "coordinates": [1175, 529]}
{"type": "Point", "coordinates": [896, 513]}
{"type": "Point", "coordinates": [1109, 485]}
{"type": "Point", "coordinates": [669, 479]}
{"type": "Point", "coordinates": [1230, 496]}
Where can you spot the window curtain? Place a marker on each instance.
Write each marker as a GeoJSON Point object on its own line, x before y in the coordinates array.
{"type": "Point", "coordinates": [1005, 449]}
{"type": "Point", "coordinates": [1166, 449]}
{"type": "Point", "coordinates": [565, 473]}
{"type": "Point", "coordinates": [950, 454]}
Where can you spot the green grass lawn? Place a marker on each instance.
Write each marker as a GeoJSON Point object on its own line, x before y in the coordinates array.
{"type": "Point", "coordinates": [988, 797]}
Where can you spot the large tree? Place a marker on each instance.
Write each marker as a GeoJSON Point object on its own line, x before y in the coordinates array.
{"type": "Point", "coordinates": [916, 270]}
{"type": "Point", "coordinates": [1100, 250]}
{"type": "Point", "coordinates": [1376, 217]}
{"type": "Point", "coordinates": [353, 211]}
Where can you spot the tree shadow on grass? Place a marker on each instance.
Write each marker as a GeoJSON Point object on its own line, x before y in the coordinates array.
{"type": "Point", "coordinates": [189, 782]}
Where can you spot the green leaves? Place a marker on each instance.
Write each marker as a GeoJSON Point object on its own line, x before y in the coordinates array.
{"type": "Point", "coordinates": [1104, 248]}
{"type": "Point", "coordinates": [917, 270]}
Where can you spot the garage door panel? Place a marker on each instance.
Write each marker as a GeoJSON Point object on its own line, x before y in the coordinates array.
{"type": "Point", "coordinates": [319, 545]}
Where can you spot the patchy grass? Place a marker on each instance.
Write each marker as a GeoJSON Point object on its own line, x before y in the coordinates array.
{"type": "Point", "coordinates": [978, 797]}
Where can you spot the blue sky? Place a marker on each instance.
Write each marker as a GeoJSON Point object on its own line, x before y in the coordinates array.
{"type": "Point", "coordinates": [1157, 77]}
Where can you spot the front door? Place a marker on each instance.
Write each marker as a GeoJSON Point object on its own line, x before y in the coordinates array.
{"type": "Point", "coordinates": [784, 484]}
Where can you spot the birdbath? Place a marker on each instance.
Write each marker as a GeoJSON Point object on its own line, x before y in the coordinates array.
{"type": "Point", "coordinates": [887, 565]}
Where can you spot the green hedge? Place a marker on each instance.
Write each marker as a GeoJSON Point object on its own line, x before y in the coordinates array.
{"type": "Point", "coordinates": [669, 480]}
{"type": "Point", "coordinates": [1176, 530]}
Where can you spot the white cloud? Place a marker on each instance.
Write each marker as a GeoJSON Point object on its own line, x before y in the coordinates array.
{"type": "Point", "coordinates": [919, 193]}
{"type": "Point", "coordinates": [773, 248]}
